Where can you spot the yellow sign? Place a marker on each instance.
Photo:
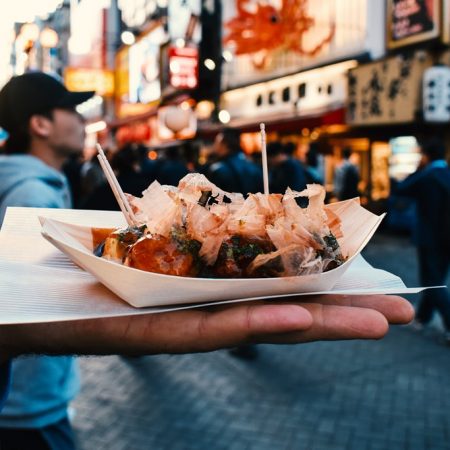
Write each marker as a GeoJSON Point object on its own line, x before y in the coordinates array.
{"type": "Point", "coordinates": [98, 80]}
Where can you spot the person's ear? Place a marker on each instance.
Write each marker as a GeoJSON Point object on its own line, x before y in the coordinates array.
{"type": "Point", "coordinates": [40, 125]}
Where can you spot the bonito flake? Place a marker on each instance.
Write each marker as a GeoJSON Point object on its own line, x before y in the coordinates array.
{"type": "Point", "coordinates": [228, 235]}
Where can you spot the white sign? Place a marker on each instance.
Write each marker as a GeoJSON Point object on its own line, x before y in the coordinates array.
{"type": "Point", "coordinates": [436, 94]}
{"type": "Point", "coordinates": [309, 92]}
{"type": "Point", "coordinates": [136, 12]}
{"type": "Point", "coordinates": [183, 17]}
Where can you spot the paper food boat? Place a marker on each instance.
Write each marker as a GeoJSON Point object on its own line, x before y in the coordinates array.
{"type": "Point", "coordinates": [143, 289]}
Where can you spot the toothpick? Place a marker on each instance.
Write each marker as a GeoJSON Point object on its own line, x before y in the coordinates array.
{"type": "Point", "coordinates": [115, 186]}
{"type": "Point", "coordinates": [264, 158]}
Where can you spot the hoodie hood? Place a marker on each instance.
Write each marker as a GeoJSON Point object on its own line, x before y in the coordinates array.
{"type": "Point", "coordinates": [17, 168]}
{"type": "Point", "coordinates": [27, 181]}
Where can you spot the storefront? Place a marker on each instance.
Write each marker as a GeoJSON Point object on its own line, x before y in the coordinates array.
{"type": "Point", "coordinates": [294, 79]}
{"type": "Point", "coordinates": [155, 77]}
{"type": "Point", "coordinates": [395, 101]}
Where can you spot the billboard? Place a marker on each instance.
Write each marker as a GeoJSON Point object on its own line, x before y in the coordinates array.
{"type": "Point", "coordinates": [264, 40]}
{"type": "Point", "coordinates": [387, 91]}
{"type": "Point", "coordinates": [144, 67]}
{"type": "Point", "coordinates": [412, 21]}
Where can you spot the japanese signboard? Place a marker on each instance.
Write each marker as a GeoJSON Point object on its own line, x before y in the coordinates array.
{"type": "Point", "coordinates": [99, 80]}
{"type": "Point", "coordinates": [183, 67]}
{"type": "Point", "coordinates": [386, 92]}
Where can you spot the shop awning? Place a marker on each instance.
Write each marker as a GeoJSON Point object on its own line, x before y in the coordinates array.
{"type": "Point", "coordinates": [284, 122]}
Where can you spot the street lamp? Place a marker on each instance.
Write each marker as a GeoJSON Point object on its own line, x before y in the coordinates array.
{"type": "Point", "coordinates": [29, 35]}
{"type": "Point", "coordinates": [30, 31]}
{"type": "Point", "coordinates": [48, 38]}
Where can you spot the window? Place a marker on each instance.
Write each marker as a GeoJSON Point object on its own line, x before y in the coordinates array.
{"type": "Point", "coordinates": [286, 94]}
{"type": "Point", "coordinates": [259, 100]}
{"type": "Point", "coordinates": [271, 97]}
{"type": "Point", "coordinates": [302, 90]}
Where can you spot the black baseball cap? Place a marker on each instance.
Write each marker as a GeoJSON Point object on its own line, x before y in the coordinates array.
{"type": "Point", "coordinates": [34, 93]}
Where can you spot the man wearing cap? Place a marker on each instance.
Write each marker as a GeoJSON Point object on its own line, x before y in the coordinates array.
{"type": "Point", "coordinates": [44, 129]}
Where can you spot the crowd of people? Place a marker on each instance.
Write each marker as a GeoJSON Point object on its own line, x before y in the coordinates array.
{"type": "Point", "coordinates": [227, 166]}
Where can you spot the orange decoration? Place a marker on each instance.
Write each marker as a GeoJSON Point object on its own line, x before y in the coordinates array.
{"type": "Point", "coordinates": [269, 28]}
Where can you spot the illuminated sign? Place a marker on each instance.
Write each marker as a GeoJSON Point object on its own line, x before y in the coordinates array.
{"type": "Point", "coordinates": [183, 67]}
{"type": "Point", "coordinates": [265, 40]}
{"type": "Point", "coordinates": [183, 20]}
{"type": "Point", "coordinates": [412, 21]}
{"type": "Point", "coordinates": [144, 67]}
{"type": "Point", "coordinates": [135, 13]}
{"type": "Point", "coordinates": [101, 81]}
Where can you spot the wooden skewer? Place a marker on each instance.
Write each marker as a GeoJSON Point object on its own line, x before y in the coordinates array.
{"type": "Point", "coordinates": [264, 158]}
{"type": "Point", "coordinates": [115, 186]}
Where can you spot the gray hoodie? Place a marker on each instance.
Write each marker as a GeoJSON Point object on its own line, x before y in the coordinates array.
{"type": "Point", "coordinates": [41, 386]}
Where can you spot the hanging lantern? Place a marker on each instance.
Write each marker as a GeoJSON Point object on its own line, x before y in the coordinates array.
{"type": "Point", "coordinates": [141, 133]}
{"type": "Point", "coordinates": [177, 119]}
{"type": "Point", "coordinates": [123, 135]}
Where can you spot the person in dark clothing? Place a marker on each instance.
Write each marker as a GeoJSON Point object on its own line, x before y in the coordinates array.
{"type": "Point", "coordinates": [147, 166]}
{"type": "Point", "coordinates": [72, 170]}
{"type": "Point", "coordinates": [171, 168]}
{"type": "Point", "coordinates": [126, 166]}
{"type": "Point", "coordinates": [285, 170]}
{"type": "Point", "coordinates": [232, 171]}
{"type": "Point", "coordinates": [430, 187]}
{"type": "Point", "coordinates": [313, 174]}
{"type": "Point", "coordinates": [346, 178]}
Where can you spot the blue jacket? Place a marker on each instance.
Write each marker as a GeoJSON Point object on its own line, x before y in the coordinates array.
{"type": "Point", "coordinates": [424, 186]}
{"type": "Point", "coordinates": [41, 386]}
{"type": "Point", "coordinates": [235, 173]}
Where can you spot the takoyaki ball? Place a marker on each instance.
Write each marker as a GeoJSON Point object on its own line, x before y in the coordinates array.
{"type": "Point", "coordinates": [160, 255]}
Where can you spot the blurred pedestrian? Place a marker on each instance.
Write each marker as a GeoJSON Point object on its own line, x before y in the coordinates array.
{"type": "Point", "coordinates": [72, 170]}
{"type": "Point", "coordinates": [44, 130]}
{"type": "Point", "coordinates": [285, 170]}
{"type": "Point", "coordinates": [126, 165]}
{"type": "Point", "coordinates": [91, 177]}
{"type": "Point", "coordinates": [171, 167]}
{"type": "Point", "coordinates": [147, 166]}
{"type": "Point", "coordinates": [346, 177]}
{"type": "Point", "coordinates": [430, 187]}
{"type": "Point", "coordinates": [313, 172]}
{"type": "Point", "coordinates": [232, 171]}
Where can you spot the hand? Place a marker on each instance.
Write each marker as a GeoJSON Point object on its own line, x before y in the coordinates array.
{"type": "Point", "coordinates": [297, 320]}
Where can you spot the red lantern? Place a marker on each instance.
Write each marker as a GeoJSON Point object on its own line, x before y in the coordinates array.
{"type": "Point", "coordinates": [123, 135]}
{"type": "Point", "coordinates": [141, 132]}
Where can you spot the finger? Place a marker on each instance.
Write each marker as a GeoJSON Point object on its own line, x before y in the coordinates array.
{"type": "Point", "coordinates": [190, 330]}
{"type": "Point", "coordinates": [332, 322]}
{"type": "Point", "coordinates": [187, 331]}
{"type": "Point", "coordinates": [396, 309]}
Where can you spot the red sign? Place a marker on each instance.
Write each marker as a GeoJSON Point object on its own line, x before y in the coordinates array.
{"type": "Point", "coordinates": [183, 67]}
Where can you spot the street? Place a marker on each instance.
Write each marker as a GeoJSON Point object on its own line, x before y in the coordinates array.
{"type": "Point", "coordinates": [356, 395]}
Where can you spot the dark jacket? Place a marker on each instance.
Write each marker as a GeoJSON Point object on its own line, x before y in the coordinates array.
{"type": "Point", "coordinates": [430, 187]}
{"type": "Point", "coordinates": [170, 171]}
{"type": "Point", "coordinates": [103, 198]}
{"type": "Point", "coordinates": [289, 173]}
{"type": "Point", "coordinates": [236, 173]}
